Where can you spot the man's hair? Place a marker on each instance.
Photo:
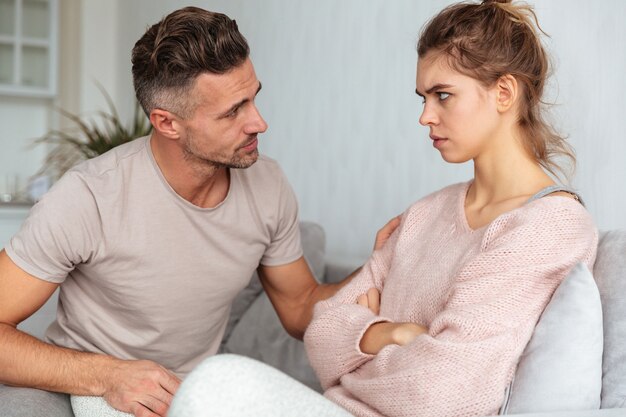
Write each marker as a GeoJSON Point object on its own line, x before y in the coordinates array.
{"type": "Point", "coordinates": [172, 53]}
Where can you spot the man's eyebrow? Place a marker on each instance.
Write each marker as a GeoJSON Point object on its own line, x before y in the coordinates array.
{"type": "Point", "coordinates": [240, 103]}
{"type": "Point", "coordinates": [434, 88]}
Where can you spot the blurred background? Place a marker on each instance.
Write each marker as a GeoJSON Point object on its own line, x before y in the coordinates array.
{"type": "Point", "coordinates": [338, 94]}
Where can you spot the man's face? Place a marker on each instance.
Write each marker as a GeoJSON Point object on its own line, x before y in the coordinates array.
{"type": "Point", "coordinates": [222, 130]}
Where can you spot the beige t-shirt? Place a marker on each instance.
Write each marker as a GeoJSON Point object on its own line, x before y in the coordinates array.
{"type": "Point", "coordinates": [144, 273]}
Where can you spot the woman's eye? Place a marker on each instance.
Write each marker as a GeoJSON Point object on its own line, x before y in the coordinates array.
{"type": "Point", "coordinates": [443, 96]}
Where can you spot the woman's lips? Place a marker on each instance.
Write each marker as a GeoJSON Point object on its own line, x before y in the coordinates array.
{"type": "Point", "coordinates": [437, 141]}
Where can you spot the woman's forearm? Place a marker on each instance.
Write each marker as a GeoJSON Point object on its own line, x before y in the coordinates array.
{"type": "Point", "coordinates": [379, 335]}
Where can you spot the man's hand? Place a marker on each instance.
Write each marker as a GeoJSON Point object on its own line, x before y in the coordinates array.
{"type": "Point", "coordinates": [379, 335]}
{"type": "Point", "coordinates": [383, 234]}
{"type": "Point", "coordinates": [371, 300]}
{"type": "Point", "coordinates": [142, 388]}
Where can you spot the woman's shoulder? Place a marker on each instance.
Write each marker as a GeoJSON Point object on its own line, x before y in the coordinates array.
{"type": "Point", "coordinates": [439, 207]}
{"type": "Point", "coordinates": [447, 197]}
{"type": "Point", "coordinates": [556, 218]}
{"type": "Point", "coordinates": [557, 207]}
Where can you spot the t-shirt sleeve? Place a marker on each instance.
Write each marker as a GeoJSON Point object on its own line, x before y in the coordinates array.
{"type": "Point", "coordinates": [285, 245]}
{"type": "Point", "coordinates": [62, 230]}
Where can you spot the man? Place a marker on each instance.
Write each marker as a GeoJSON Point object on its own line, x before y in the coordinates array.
{"type": "Point", "coordinates": [151, 242]}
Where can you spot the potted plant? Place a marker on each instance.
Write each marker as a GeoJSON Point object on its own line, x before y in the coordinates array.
{"type": "Point", "coordinates": [88, 138]}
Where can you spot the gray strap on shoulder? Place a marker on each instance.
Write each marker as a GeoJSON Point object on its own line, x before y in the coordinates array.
{"type": "Point", "coordinates": [553, 189]}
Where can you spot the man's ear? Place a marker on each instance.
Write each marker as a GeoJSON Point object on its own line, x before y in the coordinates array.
{"type": "Point", "coordinates": [507, 92]}
{"type": "Point", "coordinates": [165, 123]}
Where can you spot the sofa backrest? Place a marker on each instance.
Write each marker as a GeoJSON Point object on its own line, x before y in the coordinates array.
{"type": "Point", "coordinates": [610, 274]}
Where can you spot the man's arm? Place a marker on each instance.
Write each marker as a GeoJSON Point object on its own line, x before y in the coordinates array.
{"type": "Point", "coordinates": [293, 290]}
{"type": "Point", "coordinates": [143, 388]}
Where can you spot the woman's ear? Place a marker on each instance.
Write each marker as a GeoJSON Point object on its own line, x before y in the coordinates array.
{"type": "Point", "coordinates": [507, 91]}
{"type": "Point", "coordinates": [165, 123]}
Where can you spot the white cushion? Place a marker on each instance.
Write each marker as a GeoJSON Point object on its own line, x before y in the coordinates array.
{"type": "Point", "coordinates": [85, 406]}
{"type": "Point", "coordinates": [561, 367]}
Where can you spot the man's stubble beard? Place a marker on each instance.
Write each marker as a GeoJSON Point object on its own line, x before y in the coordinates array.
{"type": "Point", "coordinates": [192, 153]}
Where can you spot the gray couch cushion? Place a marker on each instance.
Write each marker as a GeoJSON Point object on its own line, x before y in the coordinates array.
{"type": "Point", "coordinates": [260, 335]}
{"type": "Point", "coordinates": [610, 274]}
{"type": "Point", "coordinates": [314, 247]}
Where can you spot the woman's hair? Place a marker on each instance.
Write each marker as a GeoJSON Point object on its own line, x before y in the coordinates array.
{"type": "Point", "coordinates": [494, 38]}
{"type": "Point", "coordinates": [172, 53]}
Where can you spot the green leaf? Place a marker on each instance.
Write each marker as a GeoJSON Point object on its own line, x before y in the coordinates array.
{"type": "Point", "coordinates": [88, 138]}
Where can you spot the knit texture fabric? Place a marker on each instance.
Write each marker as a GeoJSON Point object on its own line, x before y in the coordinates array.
{"type": "Point", "coordinates": [479, 292]}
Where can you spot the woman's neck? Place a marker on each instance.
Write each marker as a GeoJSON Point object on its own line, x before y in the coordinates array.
{"type": "Point", "coordinates": [504, 179]}
{"type": "Point", "coordinates": [506, 171]}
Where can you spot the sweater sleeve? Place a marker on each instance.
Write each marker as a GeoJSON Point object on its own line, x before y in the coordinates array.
{"type": "Point", "coordinates": [340, 323]}
{"type": "Point", "coordinates": [461, 366]}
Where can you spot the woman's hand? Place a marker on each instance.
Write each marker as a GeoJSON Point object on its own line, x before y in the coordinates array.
{"type": "Point", "coordinates": [379, 335]}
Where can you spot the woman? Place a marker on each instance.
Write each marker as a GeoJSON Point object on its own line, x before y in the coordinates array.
{"type": "Point", "coordinates": [466, 275]}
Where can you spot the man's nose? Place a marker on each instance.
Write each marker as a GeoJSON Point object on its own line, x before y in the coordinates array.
{"type": "Point", "coordinates": [257, 123]}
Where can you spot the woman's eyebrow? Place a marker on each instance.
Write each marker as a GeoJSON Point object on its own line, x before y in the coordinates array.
{"type": "Point", "coordinates": [435, 87]}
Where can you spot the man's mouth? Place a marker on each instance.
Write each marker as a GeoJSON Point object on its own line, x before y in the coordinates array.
{"type": "Point", "coordinates": [251, 145]}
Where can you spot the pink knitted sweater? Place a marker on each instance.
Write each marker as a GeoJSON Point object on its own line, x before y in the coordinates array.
{"type": "Point", "coordinates": [479, 293]}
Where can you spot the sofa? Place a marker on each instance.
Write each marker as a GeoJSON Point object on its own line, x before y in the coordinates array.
{"type": "Point", "coordinates": [255, 331]}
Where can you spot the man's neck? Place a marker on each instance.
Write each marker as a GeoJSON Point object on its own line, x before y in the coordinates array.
{"type": "Point", "coordinates": [202, 185]}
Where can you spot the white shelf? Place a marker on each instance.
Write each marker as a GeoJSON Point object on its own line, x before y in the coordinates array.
{"type": "Point", "coordinates": [28, 47]}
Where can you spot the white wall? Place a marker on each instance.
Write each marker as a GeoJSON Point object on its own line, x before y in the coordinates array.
{"type": "Point", "coordinates": [588, 43]}
{"type": "Point", "coordinates": [99, 53]}
{"type": "Point", "coordinates": [23, 119]}
{"type": "Point", "coordinates": [338, 79]}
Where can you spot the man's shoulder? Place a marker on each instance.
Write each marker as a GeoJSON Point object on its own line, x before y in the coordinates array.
{"type": "Point", "coordinates": [265, 181]}
{"type": "Point", "coordinates": [107, 174]}
{"type": "Point", "coordinates": [113, 159]}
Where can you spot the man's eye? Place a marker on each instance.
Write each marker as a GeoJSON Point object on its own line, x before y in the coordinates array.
{"type": "Point", "coordinates": [233, 113]}
{"type": "Point", "coordinates": [443, 96]}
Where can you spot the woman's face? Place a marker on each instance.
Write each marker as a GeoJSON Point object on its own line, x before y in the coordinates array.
{"type": "Point", "coordinates": [462, 114]}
